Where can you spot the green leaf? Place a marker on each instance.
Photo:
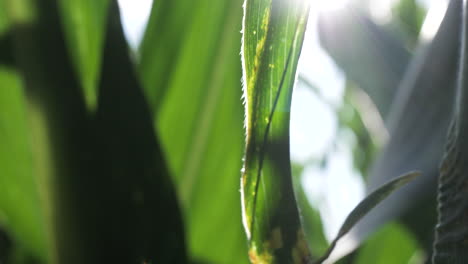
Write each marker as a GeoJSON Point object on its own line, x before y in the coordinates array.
{"type": "Point", "coordinates": [160, 48]}
{"type": "Point", "coordinates": [273, 33]}
{"type": "Point", "coordinates": [83, 25]}
{"type": "Point", "coordinates": [4, 21]}
{"type": "Point", "coordinates": [366, 205]}
{"type": "Point", "coordinates": [132, 184]}
{"type": "Point", "coordinates": [20, 205]}
{"type": "Point", "coordinates": [391, 244]}
{"type": "Point", "coordinates": [192, 75]}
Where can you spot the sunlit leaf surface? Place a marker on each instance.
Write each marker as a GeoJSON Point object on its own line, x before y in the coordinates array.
{"type": "Point", "coordinates": [192, 78]}
{"type": "Point", "coordinates": [273, 32]}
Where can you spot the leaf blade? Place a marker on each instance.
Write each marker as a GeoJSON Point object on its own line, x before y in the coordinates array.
{"type": "Point", "coordinates": [84, 23]}
{"type": "Point", "coordinates": [273, 33]}
{"type": "Point", "coordinates": [196, 65]}
{"type": "Point", "coordinates": [366, 205]}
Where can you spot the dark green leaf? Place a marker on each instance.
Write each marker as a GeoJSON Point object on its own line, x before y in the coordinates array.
{"type": "Point", "coordinates": [104, 179]}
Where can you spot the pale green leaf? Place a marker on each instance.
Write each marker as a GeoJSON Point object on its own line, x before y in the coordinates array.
{"type": "Point", "coordinates": [191, 75]}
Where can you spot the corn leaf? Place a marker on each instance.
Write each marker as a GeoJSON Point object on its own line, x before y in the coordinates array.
{"type": "Point", "coordinates": [273, 33]}
{"type": "Point", "coordinates": [191, 76]}
{"type": "Point", "coordinates": [160, 48]}
{"type": "Point", "coordinates": [20, 203]}
{"type": "Point", "coordinates": [4, 23]}
{"type": "Point", "coordinates": [84, 24]}
{"type": "Point", "coordinates": [365, 206]}
{"type": "Point", "coordinates": [312, 222]}
{"type": "Point", "coordinates": [20, 206]}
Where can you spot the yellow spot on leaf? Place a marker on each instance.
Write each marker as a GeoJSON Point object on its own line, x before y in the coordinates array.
{"type": "Point", "coordinates": [300, 252]}
{"type": "Point", "coordinates": [276, 240]}
{"type": "Point", "coordinates": [255, 258]}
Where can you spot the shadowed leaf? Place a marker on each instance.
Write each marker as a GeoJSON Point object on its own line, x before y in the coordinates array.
{"type": "Point", "coordinates": [102, 175]}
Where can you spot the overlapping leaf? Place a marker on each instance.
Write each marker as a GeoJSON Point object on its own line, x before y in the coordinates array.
{"type": "Point", "coordinates": [84, 24]}
{"type": "Point", "coordinates": [103, 176]}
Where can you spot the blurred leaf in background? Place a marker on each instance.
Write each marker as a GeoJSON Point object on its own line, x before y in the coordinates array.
{"type": "Point", "coordinates": [20, 206]}
{"type": "Point", "coordinates": [21, 213]}
{"type": "Point", "coordinates": [392, 243]}
{"type": "Point", "coordinates": [84, 23]}
{"type": "Point", "coordinates": [191, 75]}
